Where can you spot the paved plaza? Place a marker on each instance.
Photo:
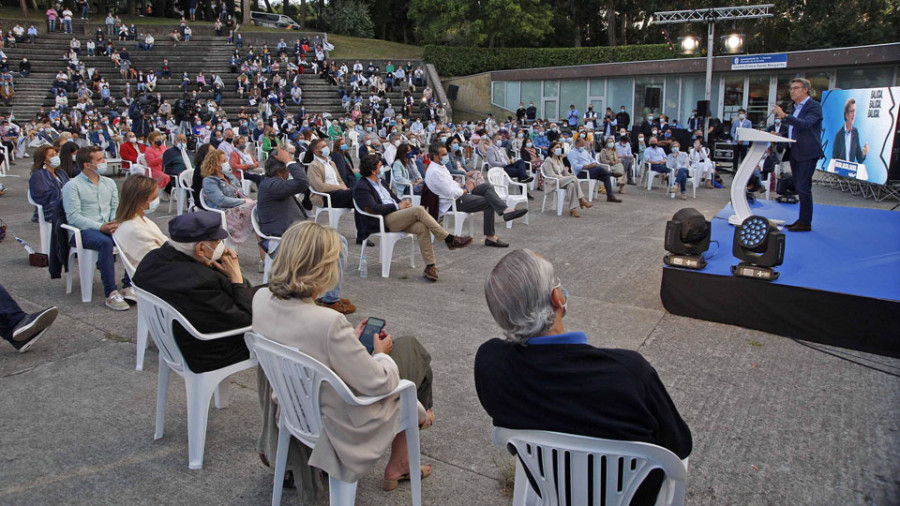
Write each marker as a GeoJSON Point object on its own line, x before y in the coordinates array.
{"type": "Point", "coordinates": [775, 421]}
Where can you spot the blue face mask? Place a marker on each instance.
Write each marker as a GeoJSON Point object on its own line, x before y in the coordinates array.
{"type": "Point", "coordinates": [343, 147]}
{"type": "Point", "coordinates": [445, 161]}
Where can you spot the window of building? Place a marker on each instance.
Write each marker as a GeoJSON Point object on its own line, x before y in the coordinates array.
{"type": "Point", "coordinates": [874, 77]}
{"type": "Point", "coordinates": [641, 85]}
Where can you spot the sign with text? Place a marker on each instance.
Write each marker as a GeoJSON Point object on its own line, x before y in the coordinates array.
{"type": "Point", "coordinates": [858, 132]}
{"type": "Point", "coordinates": [759, 61]}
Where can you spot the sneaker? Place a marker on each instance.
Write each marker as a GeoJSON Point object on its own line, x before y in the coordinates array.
{"type": "Point", "coordinates": [684, 196]}
{"type": "Point", "coordinates": [116, 302]}
{"type": "Point", "coordinates": [129, 295]}
{"type": "Point", "coordinates": [32, 327]}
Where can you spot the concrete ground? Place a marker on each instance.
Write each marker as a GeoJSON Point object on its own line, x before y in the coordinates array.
{"type": "Point", "coordinates": [775, 421]}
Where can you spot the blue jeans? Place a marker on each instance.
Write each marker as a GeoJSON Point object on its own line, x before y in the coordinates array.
{"type": "Point", "coordinates": [52, 23]}
{"type": "Point", "coordinates": [67, 25]}
{"type": "Point", "coordinates": [10, 314]}
{"type": "Point", "coordinates": [103, 245]}
{"type": "Point", "coordinates": [681, 176]}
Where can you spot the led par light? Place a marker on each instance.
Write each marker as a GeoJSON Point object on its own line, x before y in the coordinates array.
{"type": "Point", "coordinates": [759, 245]}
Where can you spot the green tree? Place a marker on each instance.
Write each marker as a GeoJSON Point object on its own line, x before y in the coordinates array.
{"type": "Point", "coordinates": [349, 17]}
{"type": "Point", "coordinates": [485, 22]}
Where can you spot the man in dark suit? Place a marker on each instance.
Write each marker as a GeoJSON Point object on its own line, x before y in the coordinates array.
{"type": "Point", "coordinates": [276, 207]}
{"type": "Point", "coordinates": [399, 215]}
{"type": "Point", "coordinates": [804, 126]}
{"type": "Point", "coordinates": [198, 276]}
{"type": "Point", "coordinates": [848, 137]}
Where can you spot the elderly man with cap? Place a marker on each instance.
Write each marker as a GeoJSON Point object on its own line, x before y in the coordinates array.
{"type": "Point", "coordinates": [198, 276]}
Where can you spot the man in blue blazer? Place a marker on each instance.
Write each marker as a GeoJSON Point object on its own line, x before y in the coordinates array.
{"type": "Point", "coordinates": [849, 137]}
{"type": "Point", "coordinates": [399, 215]}
{"type": "Point", "coordinates": [740, 121]}
{"type": "Point", "coordinates": [805, 127]}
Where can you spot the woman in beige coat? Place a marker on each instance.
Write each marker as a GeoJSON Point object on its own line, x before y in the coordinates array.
{"type": "Point", "coordinates": [557, 175]}
{"type": "Point", "coordinates": [353, 437]}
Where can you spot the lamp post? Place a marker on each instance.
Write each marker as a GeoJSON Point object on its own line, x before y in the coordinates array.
{"type": "Point", "coordinates": [710, 16]}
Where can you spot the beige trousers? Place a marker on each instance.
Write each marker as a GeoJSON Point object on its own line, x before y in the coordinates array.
{"type": "Point", "coordinates": [416, 220]}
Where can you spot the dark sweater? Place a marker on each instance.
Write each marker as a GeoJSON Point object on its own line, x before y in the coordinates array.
{"type": "Point", "coordinates": [583, 390]}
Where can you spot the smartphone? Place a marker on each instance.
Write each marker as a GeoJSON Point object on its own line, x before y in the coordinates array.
{"type": "Point", "coordinates": [373, 328]}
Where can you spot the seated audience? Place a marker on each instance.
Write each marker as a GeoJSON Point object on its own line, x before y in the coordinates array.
{"type": "Point", "coordinates": [131, 149]}
{"type": "Point", "coordinates": [136, 234]}
{"type": "Point", "coordinates": [198, 276]}
{"type": "Point", "coordinates": [399, 215]}
{"type": "Point", "coordinates": [353, 438]}
{"type": "Point", "coordinates": [222, 191]}
{"type": "Point", "coordinates": [679, 162]}
{"type": "Point", "coordinates": [173, 158]}
{"type": "Point", "coordinates": [90, 200]}
{"type": "Point", "coordinates": [325, 178]}
{"type": "Point", "coordinates": [554, 167]}
{"type": "Point", "coordinates": [496, 157]}
{"type": "Point", "coordinates": [701, 161]}
{"type": "Point", "coordinates": [584, 167]}
{"type": "Point", "coordinates": [154, 156]}
{"type": "Point", "coordinates": [277, 210]}
{"type": "Point", "coordinates": [469, 199]}
{"type": "Point", "coordinates": [404, 173]}
{"type": "Point", "coordinates": [609, 155]}
{"type": "Point", "coordinates": [544, 378]}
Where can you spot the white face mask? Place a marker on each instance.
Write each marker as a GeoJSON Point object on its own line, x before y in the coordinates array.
{"type": "Point", "coordinates": [226, 167]}
{"type": "Point", "coordinates": [325, 152]}
{"type": "Point", "coordinates": [610, 144]}
{"type": "Point", "coordinates": [218, 252]}
{"type": "Point", "coordinates": [397, 143]}
{"type": "Point", "coordinates": [498, 143]}
{"type": "Point", "coordinates": [557, 151]}
{"type": "Point", "coordinates": [101, 168]}
{"type": "Point", "coordinates": [154, 205]}
{"type": "Point", "coordinates": [528, 144]}
{"type": "Point", "coordinates": [675, 149]}
{"type": "Point", "coordinates": [742, 117]}
{"type": "Point", "coordinates": [54, 161]}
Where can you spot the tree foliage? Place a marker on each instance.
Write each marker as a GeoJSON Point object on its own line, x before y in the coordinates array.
{"type": "Point", "coordinates": [349, 17]}
{"type": "Point", "coordinates": [481, 22]}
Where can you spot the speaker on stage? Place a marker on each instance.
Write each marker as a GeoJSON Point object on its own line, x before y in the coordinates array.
{"type": "Point", "coordinates": [651, 97]}
{"type": "Point", "coordinates": [452, 92]}
{"type": "Point", "coordinates": [703, 108]}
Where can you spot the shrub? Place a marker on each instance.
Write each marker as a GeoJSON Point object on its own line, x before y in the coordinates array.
{"type": "Point", "coordinates": [459, 61]}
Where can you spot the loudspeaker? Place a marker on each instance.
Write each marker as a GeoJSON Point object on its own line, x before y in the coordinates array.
{"type": "Point", "coordinates": [651, 98]}
{"type": "Point", "coordinates": [452, 91]}
{"type": "Point", "coordinates": [703, 108]}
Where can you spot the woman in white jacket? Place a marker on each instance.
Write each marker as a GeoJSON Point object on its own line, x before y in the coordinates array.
{"type": "Point", "coordinates": [700, 160]}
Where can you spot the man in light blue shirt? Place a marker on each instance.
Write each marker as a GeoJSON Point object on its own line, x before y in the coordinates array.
{"type": "Point", "coordinates": [656, 157]}
{"type": "Point", "coordinates": [584, 166]}
{"type": "Point", "coordinates": [90, 201]}
{"type": "Point", "coordinates": [572, 118]}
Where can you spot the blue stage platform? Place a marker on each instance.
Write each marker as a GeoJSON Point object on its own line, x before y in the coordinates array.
{"type": "Point", "coordinates": [839, 283]}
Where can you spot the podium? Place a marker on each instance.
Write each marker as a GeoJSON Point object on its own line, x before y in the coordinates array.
{"type": "Point", "coordinates": [759, 142]}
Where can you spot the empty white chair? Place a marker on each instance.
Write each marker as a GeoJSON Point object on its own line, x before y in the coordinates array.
{"type": "Point", "coordinates": [501, 182]}
{"type": "Point", "coordinates": [87, 264]}
{"type": "Point", "coordinates": [4, 166]}
{"type": "Point", "coordinates": [554, 459]}
{"type": "Point", "coordinates": [183, 191]}
{"type": "Point", "coordinates": [46, 228]}
{"type": "Point", "coordinates": [386, 243]}
{"type": "Point", "coordinates": [334, 213]}
{"type": "Point", "coordinates": [559, 194]}
{"type": "Point", "coordinates": [142, 331]}
{"type": "Point", "coordinates": [199, 388]}
{"type": "Point", "coordinates": [273, 245]}
{"type": "Point", "coordinates": [297, 377]}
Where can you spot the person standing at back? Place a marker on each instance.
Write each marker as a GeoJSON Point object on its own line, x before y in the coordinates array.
{"type": "Point", "coordinates": [805, 127]}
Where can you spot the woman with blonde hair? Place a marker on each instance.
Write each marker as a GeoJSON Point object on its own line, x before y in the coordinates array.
{"type": "Point", "coordinates": [222, 191]}
{"type": "Point", "coordinates": [354, 437]}
{"type": "Point", "coordinates": [136, 234]}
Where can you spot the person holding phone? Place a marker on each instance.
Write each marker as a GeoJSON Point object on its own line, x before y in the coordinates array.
{"type": "Point", "coordinates": [354, 437]}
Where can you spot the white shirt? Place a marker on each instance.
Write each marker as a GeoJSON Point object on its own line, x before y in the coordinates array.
{"type": "Point", "coordinates": [439, 181]}
{"type": "Point", "coordinates": [331, 177]}
{"type": "Point", "coordinates": [848, 135]}
{"type": "Point", "coordinates": [796, 114]}
{"type": "Point", "coordinates": [390, 152]}
{"type": "Point", "coordinates": [383, 194]}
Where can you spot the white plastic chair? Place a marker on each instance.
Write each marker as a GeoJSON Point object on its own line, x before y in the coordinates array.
{"type": "Point", "coordinates": [183, 191]}
{"type": "Point", "coordinates": [299, 378]}
{"type": "Point", "coordinates": [87, 264]}
{"type": "Point", "coordinates": [591, 184]}
{"type": "Point", "coordinates": [245, 183]}
{"type": "Point", "coordinates": [273, 244]}
{"type": "Point", "coordinates": [459, 219]}
{"type": "Point", "coordinates": [501, 182]}
{"type": "Point", "coordinates": [334, 213]}
{"type": "Point", "coordinates": [554, 459]}
{"type": "Point", "coordinates": [559, 194]}
{"type": "Point", "coordinates": [386, 243]}
{"type": "Point", "coordinates": [46, 228]}
{"type": "Point", "coordinates": [228, 242]}
{"type": "Point", "coordinates": [142, 330]}
{"type": "Point", "coordinates": [160, 318]}
{"type": "Point", "coordinates": [4, 167]}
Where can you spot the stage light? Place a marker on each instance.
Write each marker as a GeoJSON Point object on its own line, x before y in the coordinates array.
{"type": "Point", "coordinates": [734, 43]}
{"type": "Point", "coordinates": [784, 187]}
{"type": "Point", "coordinates": [689, 44]}
{"type": "Point", "coordinates": [759, 245]}
{"type": "Point", "coordinates": [687, 237]}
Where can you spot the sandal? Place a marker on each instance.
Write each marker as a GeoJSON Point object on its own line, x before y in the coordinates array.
{"type": "Point", "coordinates": [389, 485]}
